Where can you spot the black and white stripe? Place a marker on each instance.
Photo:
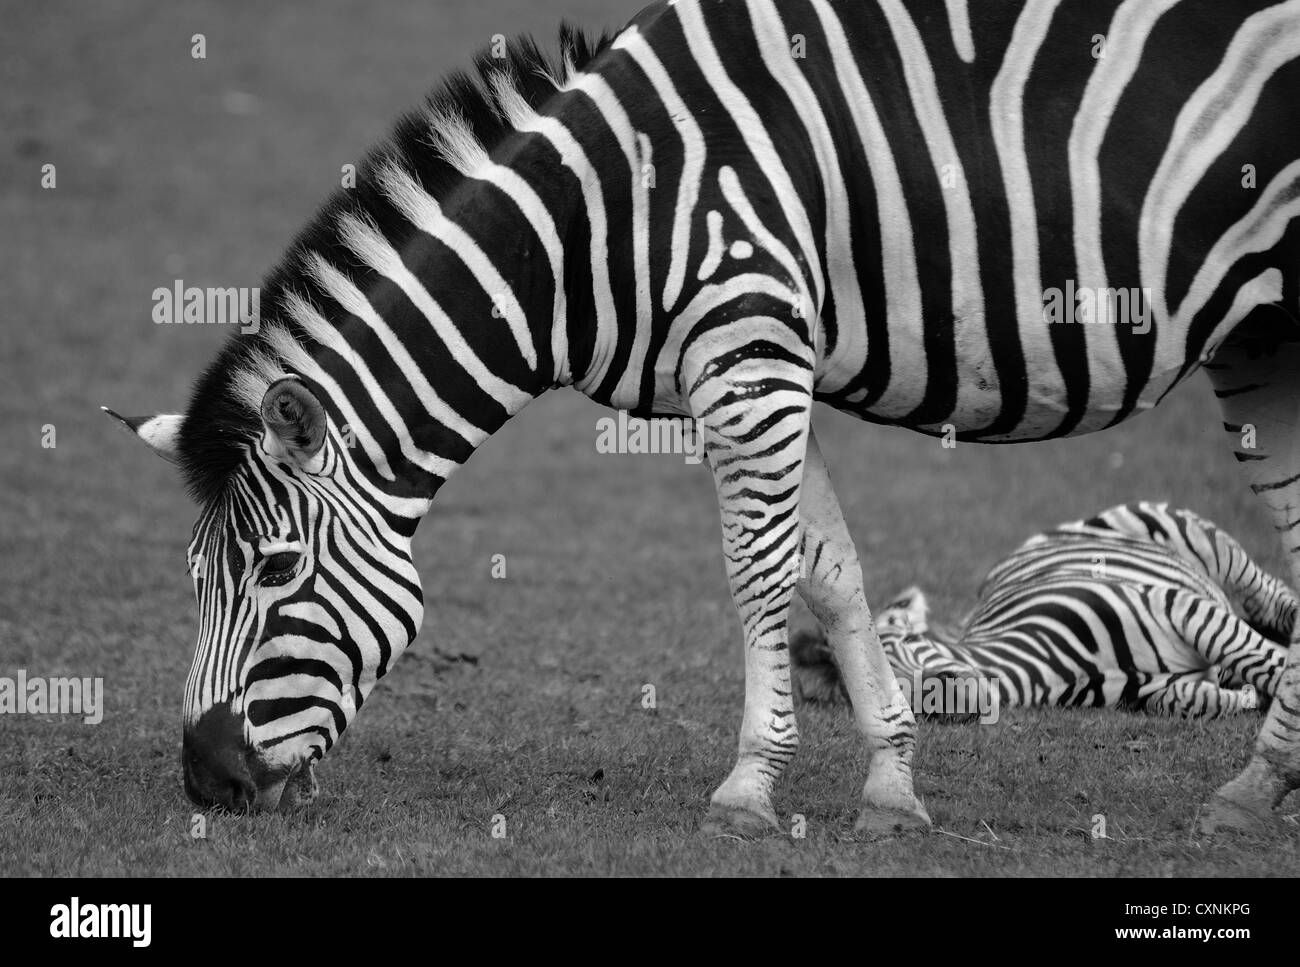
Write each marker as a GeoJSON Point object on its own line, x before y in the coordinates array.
{"type": "Point", "coordinates": [1141, 607]}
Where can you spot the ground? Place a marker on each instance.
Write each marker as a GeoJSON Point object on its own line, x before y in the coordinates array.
{"type": "Point", "coordinates": [522, 697]}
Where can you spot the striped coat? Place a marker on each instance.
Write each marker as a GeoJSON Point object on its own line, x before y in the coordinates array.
{"type": "Point", "coordinates": [993, 222]}
{"type": "Point", "coordinates": [1140, 607]}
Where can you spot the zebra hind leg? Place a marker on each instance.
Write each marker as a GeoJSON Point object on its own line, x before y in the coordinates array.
{"type": "Point", "coordinates": [1241, 655]}
{"type": "Point", "coordinates": [1268, 604]}
{"type": "Point", "coordinates": [1192, 695]}
{"type": "Point", "coordinates": [1256, 375]}
{"type": "Point", "coordinates": [831, 586]}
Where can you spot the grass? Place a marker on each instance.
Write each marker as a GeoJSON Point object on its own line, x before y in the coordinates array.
{"type": "Point", "coordinates": [170, 167]}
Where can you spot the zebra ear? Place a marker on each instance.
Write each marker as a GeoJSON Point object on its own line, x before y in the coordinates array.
{"type": "Point", "coordinates": [161, 434]}
{"type": "Point", "coordinates": [295, 420]}
{"type": "Point", "coordinates": [916, 604]}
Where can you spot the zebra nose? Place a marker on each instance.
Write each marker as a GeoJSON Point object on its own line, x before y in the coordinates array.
{"type": "Point", "coordinates": [214, 765]}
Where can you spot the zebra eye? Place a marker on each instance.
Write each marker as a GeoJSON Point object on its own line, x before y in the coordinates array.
{"type": "Point", "coordinates": [279, 567]}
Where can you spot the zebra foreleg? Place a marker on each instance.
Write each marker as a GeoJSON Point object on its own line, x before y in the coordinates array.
{"type": "Point", "coordinates": [1256, 375]}
{"type": "Point", "coordinates": [831, 585]}
{"type": "Point", "coordinates": [749, 386]}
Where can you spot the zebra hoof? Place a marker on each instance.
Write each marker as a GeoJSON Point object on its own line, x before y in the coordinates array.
{"type": "Point", "coordinates": [734, 822]}
{"type": "Point", "coordinates": [878, 821]}
{"type": "Point", "coordinates": [1224, 815]}
{"type": "Point", "coordinates": [1245, 803]}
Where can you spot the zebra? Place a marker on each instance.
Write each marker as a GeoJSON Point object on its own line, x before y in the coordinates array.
{"type": "Point", "coordinates": [724, 212]}
{"type": "Point", "coordinates": [1132, 608]}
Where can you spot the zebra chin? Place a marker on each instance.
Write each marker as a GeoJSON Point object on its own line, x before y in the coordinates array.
{"type": "Point", "coordinates": [220, 770]}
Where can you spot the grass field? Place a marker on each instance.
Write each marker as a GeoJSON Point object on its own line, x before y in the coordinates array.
{"type": "Point", "coordinates": [522, 696]}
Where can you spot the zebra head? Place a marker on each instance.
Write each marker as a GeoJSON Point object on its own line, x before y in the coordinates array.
{"type": "Point", "coordinates": [907, 613]}
{"type": "Point", "coordinates": [903, 624]}
{"type": "Point", "coordinates": [307, 595]}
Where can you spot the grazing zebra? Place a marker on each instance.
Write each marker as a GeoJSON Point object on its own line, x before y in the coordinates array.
{"type": "Point", "coordinates": [1004, 222]}
{"type": "Point", "coordinates": [1132, 608]}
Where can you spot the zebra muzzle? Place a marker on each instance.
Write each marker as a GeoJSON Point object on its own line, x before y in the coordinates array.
{"type": "Point", "coordinates": [301, 787]}
{"type": "Point", "coordinates": [220, 770]}
{"type": "Point", "coordinates": [296, 789]}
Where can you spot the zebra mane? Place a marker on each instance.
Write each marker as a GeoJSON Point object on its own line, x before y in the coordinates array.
{"type": "Point", "coordinates": [458, 123]}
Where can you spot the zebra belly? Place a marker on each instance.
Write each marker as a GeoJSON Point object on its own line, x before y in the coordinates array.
{"type": "Point", "coordinates": [1041, 418]}
{"type": "Point", "coordinates": [1055, 634]}
{"type": "Point", "coordinates": [972, 397]}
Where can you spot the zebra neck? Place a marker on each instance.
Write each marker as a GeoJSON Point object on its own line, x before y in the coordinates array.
{"type": "Point", "coordinates": [464, 302]}
{"type": "Point", "coordinates": [940, 640]}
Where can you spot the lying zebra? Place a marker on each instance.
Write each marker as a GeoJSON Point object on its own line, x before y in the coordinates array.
{"type": "Point", "coordinates": [1133, 608]}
